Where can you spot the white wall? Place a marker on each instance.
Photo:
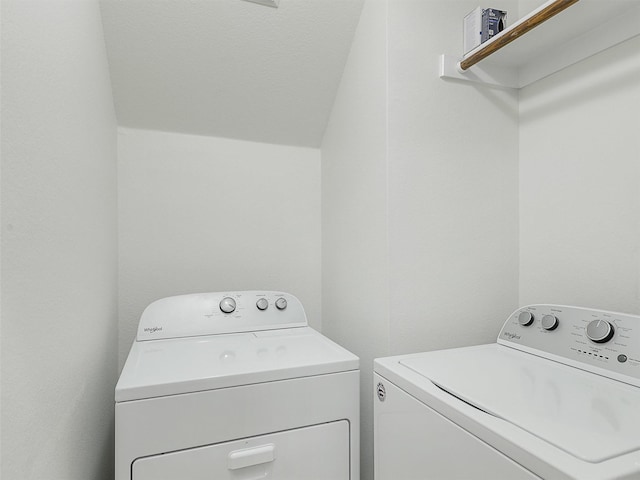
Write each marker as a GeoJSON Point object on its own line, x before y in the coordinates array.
{"type": "Point", "coordinates": [453, 182]}
{"type": "Point", "coordinates": [580, 184]}
{"type": "Point", "coordinates": [420, 201]}
{"type": "Point", "coordinates": [58, 243]}
{"type": "Point", "coordinates": [354, 211]}
{"type": "Point", "coordinates": [204, 214]}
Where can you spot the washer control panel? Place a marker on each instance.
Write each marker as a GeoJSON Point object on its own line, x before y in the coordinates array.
{"type": "Point", "coordinates": [221, 312]}
{"type": "Point", "coordinates": [607, 343]}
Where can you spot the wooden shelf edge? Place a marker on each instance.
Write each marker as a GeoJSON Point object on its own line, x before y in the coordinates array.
{"type": "Point", "coordinates": [508, 35]}
{"type": "Point", "coordinates": [588, 43]}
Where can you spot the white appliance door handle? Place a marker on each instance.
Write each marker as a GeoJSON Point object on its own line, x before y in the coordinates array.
{"type": "Point", "coordinates": [251, 456]}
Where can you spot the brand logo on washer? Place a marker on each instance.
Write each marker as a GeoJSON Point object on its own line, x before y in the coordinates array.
{"type": "Point", "coordinates": [512, 336]}
{"type": "Point", "coordinates": [153, 329]}
{"type": "Point", "coordinates": [382, 394]}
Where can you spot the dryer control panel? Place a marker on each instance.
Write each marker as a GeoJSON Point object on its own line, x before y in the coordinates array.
{"type": "Point", "coordinates": [602, 342]}
{"type": "Point", "coordinates": [221, 312]}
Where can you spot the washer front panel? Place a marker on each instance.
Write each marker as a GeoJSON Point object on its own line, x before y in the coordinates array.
{"type": "Point", "coordinates": [588, 416]}
{"type": "Point", "coordinates": [568, 341]}
{"type": "Point", "coordinates": [413, 441]}
{"type": "Point", "coordinates": [530, 451]}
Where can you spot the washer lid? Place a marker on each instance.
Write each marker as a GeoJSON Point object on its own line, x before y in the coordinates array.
{"type": "Point", "coordinates": [588, 416]}
{"type": "Point", "coordinates": [183, 365]}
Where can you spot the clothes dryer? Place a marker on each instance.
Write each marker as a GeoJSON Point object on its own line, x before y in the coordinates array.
{"type": "Point", "coordinates": [235, 385]}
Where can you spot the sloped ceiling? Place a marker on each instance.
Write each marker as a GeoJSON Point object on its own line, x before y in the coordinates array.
{"type": "Point", "coordinates": [229, 68]}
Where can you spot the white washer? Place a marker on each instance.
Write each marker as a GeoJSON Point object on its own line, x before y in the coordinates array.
{"type": "Point", "coordinates": [557, 397]}
{"type": "Point", "coordinates": [235, 386]}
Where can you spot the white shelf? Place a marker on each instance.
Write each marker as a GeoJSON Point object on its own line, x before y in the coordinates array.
{"type": "Point", "coordinates": [582, 30]}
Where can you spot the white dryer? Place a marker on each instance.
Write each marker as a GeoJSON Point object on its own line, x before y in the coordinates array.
{"type": "Point", "coordinates": [235, 386]}
{"type": "Point", "coordinates": [557, 397]}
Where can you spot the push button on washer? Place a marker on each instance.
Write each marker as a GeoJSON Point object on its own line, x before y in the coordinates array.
{"type": "Point", "coordinates": [622, 358]}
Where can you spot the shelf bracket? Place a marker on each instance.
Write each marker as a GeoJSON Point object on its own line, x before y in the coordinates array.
{"type": "Point", "coordinates": [499, 77]}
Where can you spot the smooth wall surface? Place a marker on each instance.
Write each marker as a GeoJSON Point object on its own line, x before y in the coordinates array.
{"type": "Point", "coordinates": [59, 243]}
{"type": "Point", "coordinates": [354, 211]}
{"type": "Point", "coordinates": [204, 214]}
{"type": "Point", "coordinates": [420, 199]}
{"type": "Point", "coordinates": [453, 183]}
{"type": "Point", "coordinates": [580, 184]}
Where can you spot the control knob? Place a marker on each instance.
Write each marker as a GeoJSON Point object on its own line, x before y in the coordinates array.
{"type": "Point", "coordinates": [525, 319]}
{"type": "Point", "coordinates": [262, 304]}
{"type": "Point", "coordinates": [281, 303]}
{"type": "Point", "coordinates": [228, 305]}
{"type": "Point", "coordinates": [549, 322]}
{"type": "Point", "coordinates": [600, 331]}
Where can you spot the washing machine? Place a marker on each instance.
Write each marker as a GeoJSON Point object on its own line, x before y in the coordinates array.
{"type": "Point", "coordinates": [556, 397]}
{"type": "Point", "coordinates": [235, 385]}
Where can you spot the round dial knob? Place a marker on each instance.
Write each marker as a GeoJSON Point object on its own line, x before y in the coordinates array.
{"type": "Point", "coordinates": [600, 331]}
{"type": "Point", "coordinates": [227, 305]}
{"type": "Point", "coordinates": [525, 319]}
{"type": "Point", "coordinates": [262, 304]}
{"type": "Point", "coordinates": [549, 322]}
{"type": "Point", "coordinates": [281, 304]}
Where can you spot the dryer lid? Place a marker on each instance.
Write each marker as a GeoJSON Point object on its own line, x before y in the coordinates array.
{"type": "Point", "coordinates": [184, 365]}
{"type": "Point", "coordinates": [588, 416]}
